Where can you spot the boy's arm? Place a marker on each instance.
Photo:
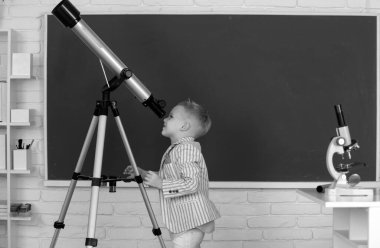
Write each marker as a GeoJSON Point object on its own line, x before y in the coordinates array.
{"type": "Point", "coordinates": [187, 158]}
{"type": "Point", "coordinates": [142, 173]}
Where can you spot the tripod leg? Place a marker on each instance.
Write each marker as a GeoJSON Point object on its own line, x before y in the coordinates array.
{"type": "Point", "coordinates": [156, 228]}
{"type": "Point", "coordinates": [96, 181]}
{"type": "Point", "coordinates": [59, 224]}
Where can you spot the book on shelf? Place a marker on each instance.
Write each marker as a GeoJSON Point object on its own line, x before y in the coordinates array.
{"type": "Point", "coordinates": [3, 100]}
{"type": "Point", "coordinates": [3, 158]}
{"type": "Point", "coordinates": [3, 208]}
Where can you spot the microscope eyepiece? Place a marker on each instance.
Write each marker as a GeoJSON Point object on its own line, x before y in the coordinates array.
{"type": "Point", "coordinates": [67, 13]}
{"type": "Point", "coordinates": [339, 115]}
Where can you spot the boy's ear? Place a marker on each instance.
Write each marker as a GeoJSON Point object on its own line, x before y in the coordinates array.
{"type": "Point", "coordinates": [185, 126]}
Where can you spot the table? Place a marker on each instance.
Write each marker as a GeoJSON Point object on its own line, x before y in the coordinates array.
{"type": "Point", "coordinates": [356, 220]}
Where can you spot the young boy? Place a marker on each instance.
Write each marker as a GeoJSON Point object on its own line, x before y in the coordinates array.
{"type": "Point", "coordinates": [182, 180]}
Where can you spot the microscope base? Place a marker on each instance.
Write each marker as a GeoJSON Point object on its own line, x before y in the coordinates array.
{"type": "Point", "coordinates": [349, 193]}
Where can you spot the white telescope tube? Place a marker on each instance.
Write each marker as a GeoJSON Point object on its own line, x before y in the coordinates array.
{"type": "Point", "coordinates": [70, 17]}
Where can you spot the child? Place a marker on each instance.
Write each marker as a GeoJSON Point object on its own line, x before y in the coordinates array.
{"type": "Point", "coordinates": [183, 179]}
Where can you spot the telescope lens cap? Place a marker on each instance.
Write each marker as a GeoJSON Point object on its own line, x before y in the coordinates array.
{"type": "Point", "coordinates": [66, 12]}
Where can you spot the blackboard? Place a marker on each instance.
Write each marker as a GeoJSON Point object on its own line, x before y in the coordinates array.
{"type": "Point", "coordinates": [269, 82]}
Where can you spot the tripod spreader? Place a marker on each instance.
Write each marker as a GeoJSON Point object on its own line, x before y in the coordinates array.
{"type": "Point", "coordinates": [111, 180]}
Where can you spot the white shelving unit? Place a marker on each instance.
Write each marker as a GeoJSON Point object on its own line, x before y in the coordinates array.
{"type": "Point", "coordinates": [355, 219]}
{"type": "Point", "coordinates": [11, 131]}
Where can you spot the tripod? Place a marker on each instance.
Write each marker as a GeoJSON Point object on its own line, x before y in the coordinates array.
{"type": "Point", "coordinates": [100, 116]}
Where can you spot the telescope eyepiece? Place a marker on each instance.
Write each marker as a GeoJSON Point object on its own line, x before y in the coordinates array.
{"type": "Point", "coordinates": [157, 106]}
{"type": "Point", "coordinates": [66, 12]}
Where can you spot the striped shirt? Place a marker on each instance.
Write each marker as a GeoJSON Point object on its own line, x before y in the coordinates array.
{"type": "Point", "coordinates": [184, 196]}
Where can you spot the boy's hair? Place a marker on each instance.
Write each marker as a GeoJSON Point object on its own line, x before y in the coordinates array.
{"type": "Point", "coordinates": [198, 112]}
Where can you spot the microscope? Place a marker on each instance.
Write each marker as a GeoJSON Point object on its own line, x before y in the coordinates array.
{"type": "Point", "coordinates": [343, 145]}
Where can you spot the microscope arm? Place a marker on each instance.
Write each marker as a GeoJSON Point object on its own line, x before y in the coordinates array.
{"type": "Point", "coordinates": [335, 146]}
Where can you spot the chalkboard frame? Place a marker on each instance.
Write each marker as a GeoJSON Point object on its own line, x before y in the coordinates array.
{"type": "Point", "coordinates": [228, 184]}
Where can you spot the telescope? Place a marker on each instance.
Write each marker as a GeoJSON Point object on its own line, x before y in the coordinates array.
{"type": "Point", "coordinates": [70, 17]}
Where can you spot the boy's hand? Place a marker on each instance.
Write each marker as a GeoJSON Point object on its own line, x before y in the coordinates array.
{"type": "Point", "coordinates": [131, 173]}
{"type": "Point", "coordinates": [154, 180]}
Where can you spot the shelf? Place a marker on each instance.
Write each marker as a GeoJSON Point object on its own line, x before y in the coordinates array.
{"type": "Point", "coordinates": [12, 130]}
{"type": "Point", "coordinates": [343, 235]}
{"type": "Point", "coordinates": [342, 202]}
{"type": "Point", "coordinates": [20, 77]}
{"type": "Point", "coordinates": [19, 124]}
{"type": "Point", "coordinates": [15, 171]}
{"type": "Point", "coordinates": [27, 218]}
{"type": "Point", "coordinates": [19, 171]}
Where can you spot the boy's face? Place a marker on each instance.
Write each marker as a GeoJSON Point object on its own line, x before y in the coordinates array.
{"type": "Point", "coordinates": [174, 123]}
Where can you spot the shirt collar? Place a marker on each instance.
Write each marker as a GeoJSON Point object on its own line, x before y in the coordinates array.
{"type": "Point", "coordinates": [183, 139]}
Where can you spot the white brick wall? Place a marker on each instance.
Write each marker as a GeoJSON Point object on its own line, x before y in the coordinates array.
{"type": "Point", "coordinates": [260, 218]}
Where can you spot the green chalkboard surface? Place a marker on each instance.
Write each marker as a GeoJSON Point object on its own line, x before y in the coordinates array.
{"type": "Point", "coordinates": [269, 82]}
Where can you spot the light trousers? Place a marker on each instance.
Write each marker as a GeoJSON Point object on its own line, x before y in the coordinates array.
{"type": "Point", "coordinates": [188, 239]}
